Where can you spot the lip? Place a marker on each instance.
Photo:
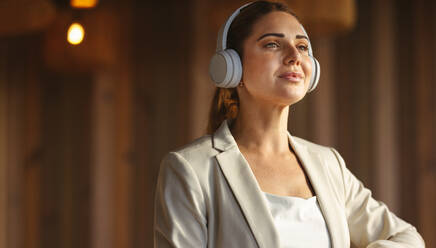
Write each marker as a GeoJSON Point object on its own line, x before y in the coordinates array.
{"type": "Point", "coordinates": [292, 76]}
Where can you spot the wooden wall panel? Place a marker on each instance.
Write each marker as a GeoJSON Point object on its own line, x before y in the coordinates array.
{"type": "Point", "coordinates": [417, 115]}
{"type": "Point", "coordinates": [323, 114]}
{"type": "Point", "coordinates": [3, 146]}
{"type": "Point", "coordinates": [406, 114]}
{"type": "Point", "coordinates": [53, 160]}
{"type": "Point", "coordinates": [79, 169]}
{"type": "Point", "coordinates": [66, 168]}
{"type": "Point", "coordinates": [102, 220]}
{"type": "Point", "coordinates": [20, 142]}
{"type": "Point", "coordinates": [384, 108]}
{"type": "Point", "coordinates": [162, 88]}
{"type": "Point", "coordinates": [354, 83]}
{"type": "Point", "coordinates": [424, 64]}
{"type": "Point", "coordinates": [123, 162]}
{"type": "Point", "coordinates": [15, 141]}
{"type": "Point", "coordinates": [33, 147]}
{"type": "Point", "coordinates": [201, 88]}
{"type": "Point", "coordinates": [124, 146]}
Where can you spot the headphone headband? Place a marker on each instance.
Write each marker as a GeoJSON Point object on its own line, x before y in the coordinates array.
{"type": "Point", "coordinates": [222, 34]}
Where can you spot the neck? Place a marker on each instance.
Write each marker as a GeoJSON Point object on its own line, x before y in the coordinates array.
{"type": "Point", "coordinates": [262, 129]}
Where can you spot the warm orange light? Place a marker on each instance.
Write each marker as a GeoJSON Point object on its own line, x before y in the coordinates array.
{"type": "Point", "coordinates": [75, 34]}
{"type": "Point", "coordinates": [83, 4]}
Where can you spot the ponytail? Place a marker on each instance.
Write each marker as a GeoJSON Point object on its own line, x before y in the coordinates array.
{"type": "Point", "coordinates": [225, 105]}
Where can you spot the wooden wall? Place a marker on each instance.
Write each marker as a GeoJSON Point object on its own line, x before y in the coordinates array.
{"type": "Point", "coordinates": [80, 150]}
{"type": "Point", "coordinates": [20, 145]}
{"type": "Point", "coordinates": [418, 115]}
{"type": "Point", "coordinates": [3, 156]}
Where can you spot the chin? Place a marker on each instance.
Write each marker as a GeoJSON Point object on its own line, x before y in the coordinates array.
{"type": "Point", "coordinates": [289, 100]}
{"type": "Point", "coordinates": [294, 97]}
{"type": "Point", "coordinates": [297, 92]}
{"type": "Point", "coordinates": [289, 94]}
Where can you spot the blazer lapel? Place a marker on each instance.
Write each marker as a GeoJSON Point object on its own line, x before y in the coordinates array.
{"type": "Point", "coordinates": [315, 168]}
{"type": "Point", "coordinates": [245, 188]}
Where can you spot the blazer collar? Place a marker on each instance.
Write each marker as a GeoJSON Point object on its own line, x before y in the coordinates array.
{"type": "Point", "coordinates": [223, 138]}
{"type": "Point", "coordinates": [249, 195]}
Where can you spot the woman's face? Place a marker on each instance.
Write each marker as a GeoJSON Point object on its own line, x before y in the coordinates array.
{"type": "Point", "coordinates": [276, 62]}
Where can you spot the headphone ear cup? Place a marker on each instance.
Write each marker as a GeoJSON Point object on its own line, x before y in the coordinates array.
{"type": "Point", "coordinates": [236, 68]}
{"type": "Point", "coordinates": [219, 68]}
{"type": "Point", "coordinates": [225, 68]}
{"type": "Point", "coordinates": [316, 71]}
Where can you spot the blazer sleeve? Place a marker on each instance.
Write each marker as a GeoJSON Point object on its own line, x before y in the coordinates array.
{"type": "Point", "coordinates": [370, 222]}
{"type": "Point", "coordinates": [179, 218]}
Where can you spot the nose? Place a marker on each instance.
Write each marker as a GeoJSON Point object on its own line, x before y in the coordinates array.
{"type": "Point", "coordinates": [292, 56]}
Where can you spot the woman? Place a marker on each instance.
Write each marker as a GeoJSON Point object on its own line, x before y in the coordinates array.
{"type": "Point", "coordinates": [250, 183]}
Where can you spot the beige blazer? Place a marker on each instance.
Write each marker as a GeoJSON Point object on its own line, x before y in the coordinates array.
{"type": "Point", "coordinates": [207, 196]}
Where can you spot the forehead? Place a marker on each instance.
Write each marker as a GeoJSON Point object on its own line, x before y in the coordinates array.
{"type": "Point", "coordinates": [278, 21]}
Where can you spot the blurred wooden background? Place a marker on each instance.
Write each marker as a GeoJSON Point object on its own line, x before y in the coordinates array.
{"type": "Point", "coordinates": [83, 129]}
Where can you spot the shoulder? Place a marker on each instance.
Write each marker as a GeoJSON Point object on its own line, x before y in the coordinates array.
{"type": "Point", "coordinates": [313, 146]}
{"type": "Point", "coordinates": [199, 148]}
{"type": "Point", "coordinates": [197, 155]}
{"type": "Point", "coordinates": [308, 143]}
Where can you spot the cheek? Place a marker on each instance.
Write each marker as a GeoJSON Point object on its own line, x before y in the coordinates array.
{"type": "Point", "coordinates": [250, 69]}
{"type": "Point", "coordinates": [256, 66]}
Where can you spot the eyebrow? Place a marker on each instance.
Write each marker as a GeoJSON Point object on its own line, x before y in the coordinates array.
{"type": "Point", "coordinates": [281, 35]}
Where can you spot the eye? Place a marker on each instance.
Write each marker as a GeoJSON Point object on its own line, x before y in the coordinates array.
{"type": "Point", "coordinates": [304, 48]}
{"type": "Point", "coordinates": [272, 45]}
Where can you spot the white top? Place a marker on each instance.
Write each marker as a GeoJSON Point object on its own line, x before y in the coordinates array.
{"type": "Point", "coordinates": [299, 221]}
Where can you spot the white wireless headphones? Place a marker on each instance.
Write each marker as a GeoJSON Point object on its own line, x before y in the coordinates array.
{"type": "Point", "coordinates": [225, 68]}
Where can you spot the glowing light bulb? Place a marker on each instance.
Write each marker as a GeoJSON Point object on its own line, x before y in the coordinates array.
{"type": "Point", "coordinates": [83, 4]}
{"type": "Point", "coordinates": [75, 34]}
